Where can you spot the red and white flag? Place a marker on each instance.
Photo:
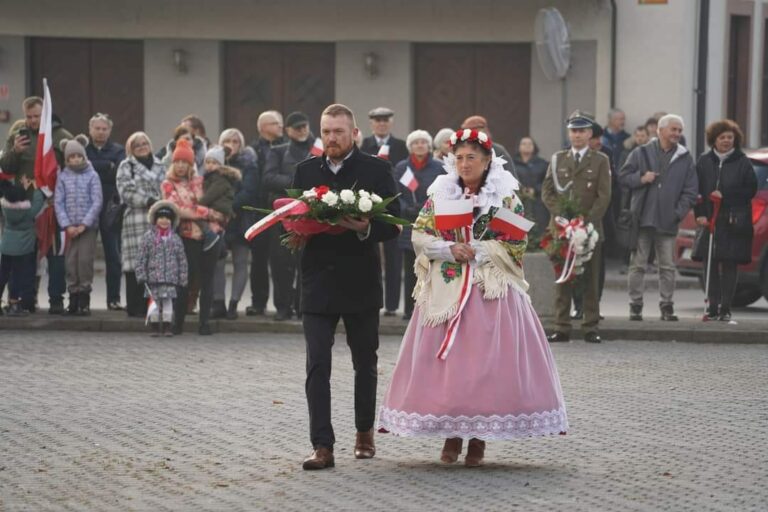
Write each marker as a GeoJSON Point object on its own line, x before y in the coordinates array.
{"type": "Point", "coordinates": [409, 180]}
{"type": "Point", "coordinates": [383, 152]}
{"type": "Point", "coordinates": [46, 166]}
{"type": "Point", "coordinates": [508, 222]}
{"type": "Point", "coordinates": [317, 148]}
{"type": "Point", "coordinates": [452, 214]}
{"type": "Point", "coordinates": [46, 171]}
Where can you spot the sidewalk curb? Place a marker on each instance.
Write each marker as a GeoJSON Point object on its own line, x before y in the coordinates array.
{"type": "Point", "coordinates": [684, 331]}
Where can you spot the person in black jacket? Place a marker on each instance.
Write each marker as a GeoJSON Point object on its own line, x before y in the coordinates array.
{"type": "Point", "coordinates": [726, 173]}
{"type": "Point", "coordinates": [382, 119]}
{"type": "Point", "coordinates": [106, 156]}
{"type": "Point", "coordinates": [341, 278]}
{"type": "Point", "coordinates": [278, 176]}
{"type": "Point", "coordinates": [270, 126]}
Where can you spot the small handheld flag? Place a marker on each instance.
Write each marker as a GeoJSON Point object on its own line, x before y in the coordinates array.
{"type": "Point", "coordinates": [508, 222]}
{"type": "Point", "coordinates": [317, 148]}
{"type": "Point", "coordinates": [409, 180]}
{"type": "Point", "coordinates": [383, 152]}
{"type": "Point", "coordinates": [452, 214]}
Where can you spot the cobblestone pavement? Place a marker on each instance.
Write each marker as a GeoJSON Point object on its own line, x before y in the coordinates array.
{"type": "Point", "coordinates": [126, 422]}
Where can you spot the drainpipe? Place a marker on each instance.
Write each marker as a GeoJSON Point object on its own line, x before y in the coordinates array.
{"type": "Point", "coordinates": [701, 80]}
{"type": "Point", "coordinates": [613, 53]}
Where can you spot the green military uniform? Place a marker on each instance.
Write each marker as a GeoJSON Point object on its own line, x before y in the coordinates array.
{"type": "Point", "coordinates": [24, 162]}
{"type": "Point", "coordinates": [589, 184]}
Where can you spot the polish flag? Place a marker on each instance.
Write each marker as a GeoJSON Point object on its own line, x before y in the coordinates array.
{"type": "Point", "coordinates": [508, 222]}
{"type": "Point", "coordinates": [46, 170]}
{"type": "Point", "coordinates": [317, 148]}
{"type": "Point", "coordinates": [46, 165]}
{"type": "Point", "coordinates": [383, 152]}
{"type": "Point", "coordinates": [409, 180]}
{"type": "Point", "coordinates": [452, 214]}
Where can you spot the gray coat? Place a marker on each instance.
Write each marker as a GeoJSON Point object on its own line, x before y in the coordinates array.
{"type": "Point", "coordinates": [670, 197]}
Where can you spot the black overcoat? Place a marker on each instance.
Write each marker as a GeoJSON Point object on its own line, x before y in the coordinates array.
{"type": "Point", "coordinates": [397, 148]}
{"type": "Point", "coordinates": [341, 273]}
{"type": "Point", "coordinates": [737, 181]}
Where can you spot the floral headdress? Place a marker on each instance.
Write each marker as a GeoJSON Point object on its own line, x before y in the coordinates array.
{"type": "Point", "coordinates": [466, 134]}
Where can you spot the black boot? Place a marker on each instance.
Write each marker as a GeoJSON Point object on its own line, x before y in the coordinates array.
{"type": "Point", "coordinates": [74, 303]}
{"type": "Point", "coordinates": [636, 312]}
{"type": "Point", "coordinates": [84, 306]}
{"type": "Point", "coordinates": [166, 329]}
{"type": "Point", "coordinates": [56, 307]}
{"type": "Point", "coordinates": [232, 311]}
{"type": "Point", "coordinates": [204, 329]}
{"type": "Point", "coordinates": [15, 309]}
{"type": "Point", "coordinates": [218, 310]}
{"type": "Point", "coordinates": [712, 313]}
{"type": "Point", "coordinates": [668, 312]}
{"type": "Point", "coordinates": [725, 314]}
{"type": "Point", "coordinates": [154, 329]}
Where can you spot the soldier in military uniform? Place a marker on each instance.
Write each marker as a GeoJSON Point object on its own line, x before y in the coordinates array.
{"type": "Point", "coordinates": [584, 175]}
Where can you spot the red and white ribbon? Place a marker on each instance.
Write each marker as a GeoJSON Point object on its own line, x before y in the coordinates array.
{"type": "Point", "coordinates": [271, 219]}
{"type": "Point", "coordinates": [453, 324]}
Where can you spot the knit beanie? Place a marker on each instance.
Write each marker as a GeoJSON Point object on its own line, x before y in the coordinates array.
{"type": "Point", "coordinates": [216, 153]}
{"type": "Point", "coordinates": [183, 152]}
{"type": "Point", "coordinates": [74, 146]}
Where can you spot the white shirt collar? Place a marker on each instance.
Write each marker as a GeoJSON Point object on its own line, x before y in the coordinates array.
{"type": "Point", "coordinates": [581, 152]}
{"type": "Point", "coordinates": [335, 168]}
{"type": "Point", "coordinates": [381, 141]}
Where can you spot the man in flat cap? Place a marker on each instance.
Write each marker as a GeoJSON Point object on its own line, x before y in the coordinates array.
{"type": "Point", "coordinates": [385, 145]}
{"type": "Point", "coordinates": [582, 175]}
{"type": "Point", "coordinates": [480, 123]}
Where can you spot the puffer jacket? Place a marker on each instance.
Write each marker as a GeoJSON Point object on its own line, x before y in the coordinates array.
{"type": "Point", "coordinates": [78, 197]}
{"type": "Point", "coordinates": [19, 235]}
{"type": "Point", "coordinates": [161, 258]}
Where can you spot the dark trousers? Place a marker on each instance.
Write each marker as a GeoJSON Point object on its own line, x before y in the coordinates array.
{"type": "Point", "coordinates": [393, 272]}
{"type": "Point", "coordinates": [722, 284]}
{"type": "Point", "coordinates": [579, 287]}
{"type": "Point", "coordinates": [409, 280]}
{"type": "Point", "coordinates": [202, 263]}
{"type": "Point", "coordinates": [110, 241]}
{"type": "Point", "coordinates": [363, 340]}
{"type": "Point", "coordinates": [57, 277]}
{"type": "Point", "coordinates": [283, 265]}
{"type": "Point", "coordinates": [18, 272]}
{"type": "Point", "coordinates": [135, 303]}
{"type": "Point", "coordinates": [591, 302]}
{"type": "Point", "coordinates": [260, 270]}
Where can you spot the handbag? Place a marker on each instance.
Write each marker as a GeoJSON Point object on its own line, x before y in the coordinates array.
{"type": "Point", "coordinates": [700, 245]}
{"type": "Point", "coordinates": [113, 212]}
{"type": "Point", "coordinates": [628, 222]}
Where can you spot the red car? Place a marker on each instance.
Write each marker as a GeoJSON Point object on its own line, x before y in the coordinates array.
{"type": "Point", "coordinates": [753, 278]}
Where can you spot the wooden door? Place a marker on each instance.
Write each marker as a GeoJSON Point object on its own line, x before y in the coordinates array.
{"type": "Point", "coordinates": [86, 76]}
{"type": "Point", "coordinates": [454, 81]}
{"type": "Point", "coordinates": [276, 76]}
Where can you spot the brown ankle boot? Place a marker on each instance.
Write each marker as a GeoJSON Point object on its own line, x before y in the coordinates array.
{"type": "Point", "coordinates": [451, 450]}
{"type": "Point", "coordinates": [364, 447]}
{"type": "Point", "coordinates": [475, 453]}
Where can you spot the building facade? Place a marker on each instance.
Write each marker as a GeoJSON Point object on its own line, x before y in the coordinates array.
{"type": "Point", "coordinates": [148, 63]}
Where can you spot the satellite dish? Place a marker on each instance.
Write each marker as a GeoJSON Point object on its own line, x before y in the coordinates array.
{"type": "Point", "coordinates": [553, 44]}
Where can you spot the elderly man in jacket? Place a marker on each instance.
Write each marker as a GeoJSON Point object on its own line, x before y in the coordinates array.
{"type": "Point", "coordinates": [661, 176]}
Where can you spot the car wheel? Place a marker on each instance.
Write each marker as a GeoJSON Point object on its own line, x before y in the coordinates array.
{"type": "Point", "coordinates": [745, 295]}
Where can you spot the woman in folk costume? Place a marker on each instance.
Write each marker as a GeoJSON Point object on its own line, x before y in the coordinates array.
{"type": "Point", "coordinates": [475, 363]}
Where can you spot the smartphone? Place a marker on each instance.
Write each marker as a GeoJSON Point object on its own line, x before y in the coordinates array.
{"type": "Point", "coordinates": [25, 132]}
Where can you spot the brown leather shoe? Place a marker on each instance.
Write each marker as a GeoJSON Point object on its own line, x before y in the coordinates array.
{"type": "Point", "coordinates": [475, 453]}
{"type": "Point", "coordinates": [451, 450]}
{"type": "Point", "coordinates": [364, 448]}
{"type": "Point", "coordinates": [321, 458]}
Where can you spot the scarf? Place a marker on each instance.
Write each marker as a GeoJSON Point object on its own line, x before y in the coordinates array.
{"type": "Point", "coordinates": [417, 164]}
{"type": "Point", "coordinates": [723, 156]}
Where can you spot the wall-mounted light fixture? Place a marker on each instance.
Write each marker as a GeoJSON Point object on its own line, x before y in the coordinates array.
{"type": "Point", "coordinates": [371, 64]}
{"type": "Point", "coordinates": [180, 61]}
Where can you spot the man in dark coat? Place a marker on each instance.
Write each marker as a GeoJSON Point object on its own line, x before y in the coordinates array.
{"type": "Point", "coordinates": [341, 278]}
{"type": "Point", "coordinates": [382, 119]}
{"type": "Point", "coordinates": [106, 155]}
{"type": "Point", "coordinates": [278, 176]}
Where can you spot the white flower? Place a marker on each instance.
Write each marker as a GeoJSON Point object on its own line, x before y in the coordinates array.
{"type": "Point", "coordinates": [309, 194]}
{"type": "Point", "coordinates": [376, 198]}
{"type": "Point", "coordinates": [347, 196]}
{"type": "Point", "coordinates": [466, 133]}
{"type": "Point", "coordinates": [330, 198]}
{"type": "Point", "coordinates": [365, 204]}
{"type": "Point", "coordinates": [363, 193]}
{"type": "Point", "coordinates": [482, 137]}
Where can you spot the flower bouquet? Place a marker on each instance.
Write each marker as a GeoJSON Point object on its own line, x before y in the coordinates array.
{"type": "Point", "coordinates": [570, 245]}
{"type": "Point", "coordinates": [305, 213]}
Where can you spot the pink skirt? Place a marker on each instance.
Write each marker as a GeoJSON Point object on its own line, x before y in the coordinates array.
{"type": "Point", "coordinates": [499, 381]}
